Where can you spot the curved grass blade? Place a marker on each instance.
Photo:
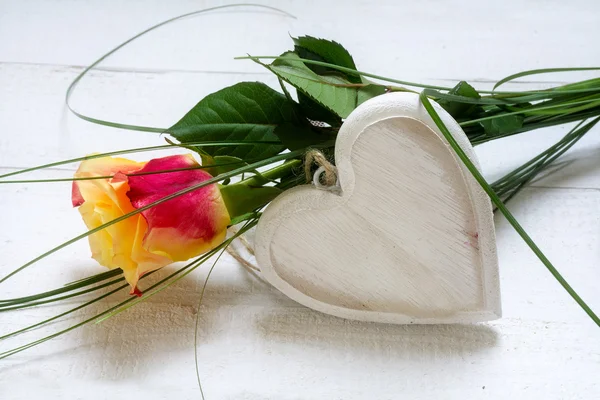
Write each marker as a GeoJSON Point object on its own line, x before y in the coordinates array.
{"type": "Point", "coordinates": [465, 99]}
{"type": "Point", "coordinates": [75, 82]}
{"type": "Point", "coordinates": [507, 214]}
{"type": "Point", "coordinates": [507, 193]}
{"type": "Point", "coordinates": [198, 312]}
{"type": "Point", "coordinates": [202, 291]}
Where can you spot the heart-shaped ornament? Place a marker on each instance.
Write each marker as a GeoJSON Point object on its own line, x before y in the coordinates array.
{"type": "Point", "coordinates": [408, 237]}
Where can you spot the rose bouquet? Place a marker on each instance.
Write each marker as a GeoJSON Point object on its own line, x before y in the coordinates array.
{"type": "Point", "coordinates": [248, 143]}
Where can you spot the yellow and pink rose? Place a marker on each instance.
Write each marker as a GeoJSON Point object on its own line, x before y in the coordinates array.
{"type": "Point", "coordinates": [175, 230]}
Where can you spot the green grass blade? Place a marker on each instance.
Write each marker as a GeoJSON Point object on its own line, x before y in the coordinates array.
{"type": "Point", "coordinates": [514, 186]}
{"type": "Point", "coordinates": [98, 277]}
{"type": "Point", "coordinates": [165, 171]}
{"type": "Point", "coordinates": [56, 317]}
{"type": "Point", "coordinates": [55, 299]}
{"type": "Point", "coordinates": [541, 71]}
{"type": "Point", "coordinates": [66, 288]}
{"type": "Point", "coordinates": [573, 132]}
{"type": "Point", "coordinates": [131, 151]}
{"type": "Point", "coordinates": [560, 111]}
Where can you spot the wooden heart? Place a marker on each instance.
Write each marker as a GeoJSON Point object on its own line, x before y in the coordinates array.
{"type": "Point", "coordinates": [408, 237]}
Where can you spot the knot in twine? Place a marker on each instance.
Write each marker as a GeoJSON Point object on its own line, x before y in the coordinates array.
{"type": "Point", "coordinates": [326, 173]}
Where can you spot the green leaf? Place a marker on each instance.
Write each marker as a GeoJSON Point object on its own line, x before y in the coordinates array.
{"type": "Point", "coordinates": [296, 137]}
{"type": "Point", "coordinates": [502, 125]}
{"type": "Point", "coordinates": [317, 69]}
{"type": "Point", "coordinates": [246, 111]}
{"type": "Point", "coordinates": [332, 52]}
{"type": "Point", "coordinates": [338, 99]}
{"type": "Point", "coordinates": [327, 51]}
{"type": "Point", "coordinates": [460, 109]}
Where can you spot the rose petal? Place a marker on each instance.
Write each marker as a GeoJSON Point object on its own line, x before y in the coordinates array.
{"type": "Point", "coordinates": [76, 197]}
{"type": "Point", "coordinates": [187, 225]}
{"type": "Point", "coordinates": [105, 166]}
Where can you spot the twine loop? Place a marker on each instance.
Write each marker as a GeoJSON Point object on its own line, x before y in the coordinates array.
{"type": "Point", "coordinates": [325, 177]}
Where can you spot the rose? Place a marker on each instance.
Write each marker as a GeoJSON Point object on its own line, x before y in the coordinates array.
{"type": "Point", "coordinates": [175, 230]}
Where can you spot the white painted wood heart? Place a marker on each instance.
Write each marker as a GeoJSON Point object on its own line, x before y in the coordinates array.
{"type": "Point", "coordinates": [408, 238]}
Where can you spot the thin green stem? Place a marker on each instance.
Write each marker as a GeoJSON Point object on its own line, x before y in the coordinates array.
{"type": "Point", "coordinates": [131, 151]}
{"type": "Point", "coordinates": [88, 178]}
{"type": "Point", "coordinates": [12, 307]}
{"type": "Point", "coordinates": [67, 288]}
{"type": "Point", "coordinates": [541, 71]}
{"type": "Point", "coordinates": [72, 310]}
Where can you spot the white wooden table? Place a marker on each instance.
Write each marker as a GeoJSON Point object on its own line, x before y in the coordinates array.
{"type": "Point", "coordinates": [254, 343]}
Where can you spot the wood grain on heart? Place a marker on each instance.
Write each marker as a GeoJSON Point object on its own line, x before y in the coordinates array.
{"type": "Point", "coordinates": [407, 238]}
